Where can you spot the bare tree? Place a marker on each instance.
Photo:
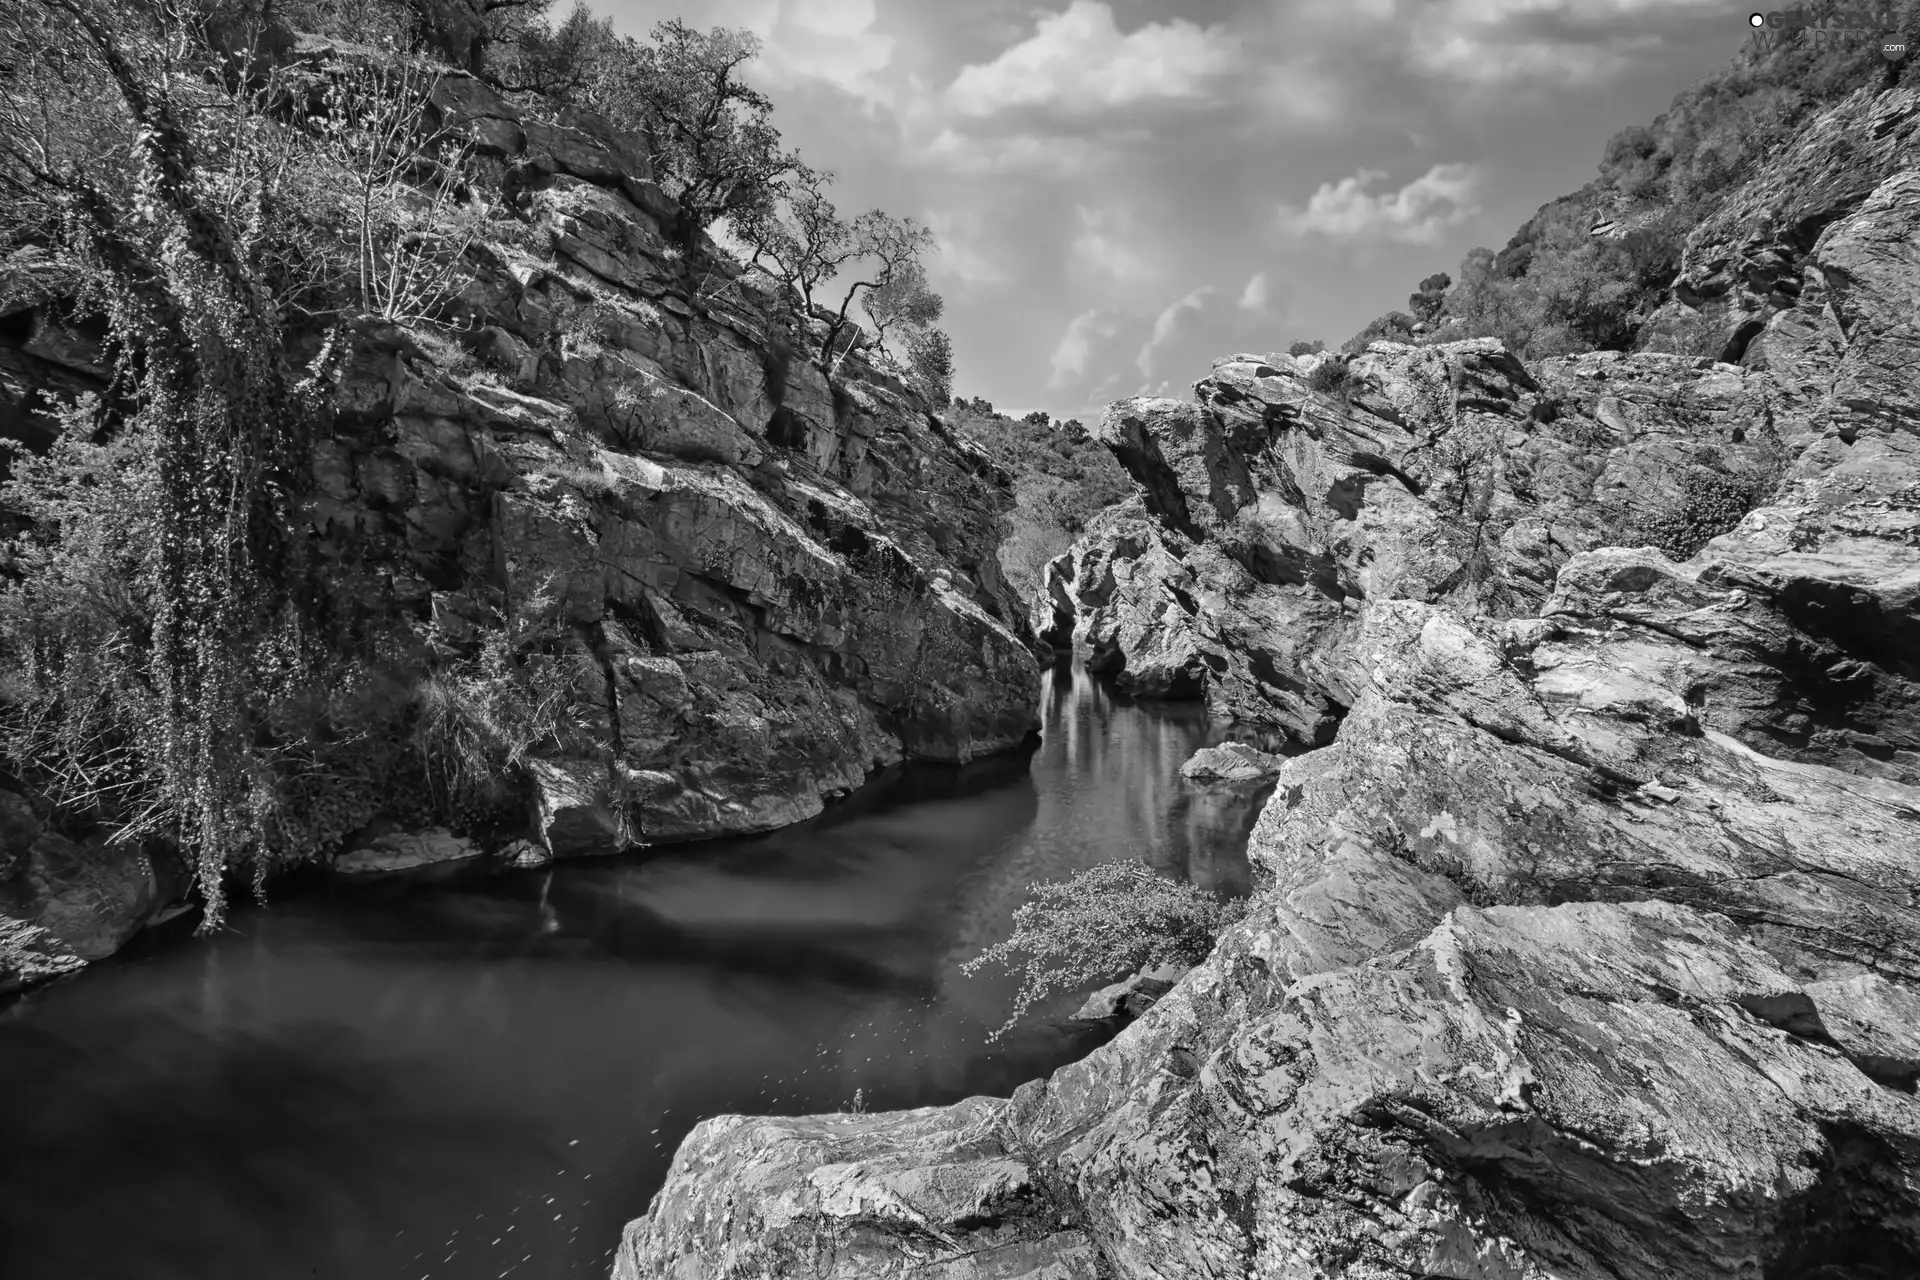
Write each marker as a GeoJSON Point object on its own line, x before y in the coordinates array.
{"type": "Point", "coordinates": [411, 214]}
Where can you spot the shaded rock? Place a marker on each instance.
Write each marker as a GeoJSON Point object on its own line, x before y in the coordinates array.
{"type": "Point", "coordinates": [574, 812]}
{"type": "Point", "coordinates": [525, 855]}
{"type": "Point", "coordinates": [1132, 996]}
{"type": "Point", "coordinates": [404, 851]}
{"type": "Point", "coordinates": [1876, 1023]}
{"type": "Point", "coordinates": [63, 902]}
{"type": "Point", "coordinates": [1231, 762]}
{"type": "Point", "coordinates": [749, 587]}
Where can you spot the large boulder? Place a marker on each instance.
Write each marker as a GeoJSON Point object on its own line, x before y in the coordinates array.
{"type": "Point", "coordinates": [64, 902]}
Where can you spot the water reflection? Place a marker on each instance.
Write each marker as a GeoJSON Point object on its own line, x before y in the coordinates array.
{"type": "Point", "coordinates": [487, 1077]}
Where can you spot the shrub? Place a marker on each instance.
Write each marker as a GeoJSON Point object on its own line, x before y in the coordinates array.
{"type": "Point", "coordinates": [1332, 377]}
{"type": "Point", "coordinates": [1304, 347]}
{"type": "Point", "coordinates": [1711, 503]}
{"type": "Point", "coordinates": [479, 721]}
{"type": "Point", "coordinates": [1101, 924]}
{"type": "Point", "coordinates": [1395, 326]}
{"type": "Point", "coordinates": [930, 357]}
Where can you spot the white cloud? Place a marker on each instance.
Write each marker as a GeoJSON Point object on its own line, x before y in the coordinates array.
{"type": "Point", "coordinates": [1103, 248]}
{"type": "Point", "coordinates": [1022, 155]}
{"type": "Point", "coordinates": [966, 248]}
{"type": "Point", "coordinates": [1257, 294]}
{"type": "Point", "coordinates": [1071, 357]}
{"type": "Point", "coordinates": [1415, 214]}
{"type": "Point", "coordinates": [827, 41]}
{"type": "Point", "coordinates": [1078, 61]}
{"type": "Point", "coordinates": [1489, 62]}
{"type": "Point", "coordinates": [1545, 43]}
{"type": "Point", "coordinates": [1166, 323]}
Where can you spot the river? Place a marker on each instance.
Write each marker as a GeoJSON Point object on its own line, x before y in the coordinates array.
{"type": "Point", "coordinates": [458, 1077]}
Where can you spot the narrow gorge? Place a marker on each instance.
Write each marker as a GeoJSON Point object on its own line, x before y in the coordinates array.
{"type": "Point", "coordinates": [524, 713]}
{"type": "Point", "coordinates": [1583, 940]}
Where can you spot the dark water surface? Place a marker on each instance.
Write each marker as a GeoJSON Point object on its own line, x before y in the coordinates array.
{"type": "Point", "coordinates": [486, 1077]}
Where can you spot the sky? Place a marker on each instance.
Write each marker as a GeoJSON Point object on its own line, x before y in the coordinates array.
{"type": "Point", "coordinates": [1126, 190]}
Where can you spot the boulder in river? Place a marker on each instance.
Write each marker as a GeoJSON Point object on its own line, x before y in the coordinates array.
{"type": "Point", "coordinates": [404, 851]}
{"type": "Point", "coordinates": [65, 901]}
{"type": "Point", "coordinates": [1231, 762]}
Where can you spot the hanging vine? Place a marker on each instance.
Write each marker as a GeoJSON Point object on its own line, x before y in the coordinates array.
{"type": "Point", "coordinates": [230, 425]}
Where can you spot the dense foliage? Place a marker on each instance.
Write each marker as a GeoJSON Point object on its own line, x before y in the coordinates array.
{"type": "Point", "coordinates": [1100, 925]}
{"type": "Point", "coordinates": [1062, 479]}
{"type": "Point", "coordinates": [1556, 288]}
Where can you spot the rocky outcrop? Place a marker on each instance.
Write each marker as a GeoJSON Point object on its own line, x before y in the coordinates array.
{"type": "Point", "coordinates": [750, 587]}
{"type": "Point", "coordinates": [1274, 511]}
{"type": "Point", "coordinates": [1587, 945]}
{"type": "Point", "coordinates": [1756, 269]}
{"type": "Point", "coordinates": [1132, 996]}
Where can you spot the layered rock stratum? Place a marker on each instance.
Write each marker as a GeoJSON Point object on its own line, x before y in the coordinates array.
{"type": "Point", "coordinates": [760, 586]}
{"type": "Point", "coordinates": [1585, 942]}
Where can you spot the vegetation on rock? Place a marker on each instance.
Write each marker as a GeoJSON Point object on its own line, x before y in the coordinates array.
{"type": "Point", "coordinates": [182, 664]}
{"type": "Point", "coordinates": [1101, 924]}
{"type": "Point", "coordinates": [1591, 270]}
{"type": "Point", "coordinates": [1062, 479]}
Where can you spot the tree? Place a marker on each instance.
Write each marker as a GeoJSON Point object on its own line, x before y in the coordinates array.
{"type": "Point", "coordinates": [1304, 347]}
{"type": "Point", "coordinates": [220, 420]}
{"type": "Point", "coordinates": [930, 355]}
{"type": "Point", "coordinates": [466, 32]}
{"type": "Point", "coordinates": [1432, 295]}
{"type": "Point", "coordinates": [403, 181]}
{"type": "Point", "coordinates": [711, 135]}
{"type": "Point", "coordinates": [809, 248]}
{"type": "Point", "coordinates": [566, 63]}
{"type": "Point", "coordinates": [905, 303]}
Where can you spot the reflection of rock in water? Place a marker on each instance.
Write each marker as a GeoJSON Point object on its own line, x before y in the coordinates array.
{"type": "Point", "coordinates": [1220, 817]}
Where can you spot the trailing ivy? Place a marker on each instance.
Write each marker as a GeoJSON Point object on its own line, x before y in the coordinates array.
{"type": "Point", "coordinates": [226, 425]}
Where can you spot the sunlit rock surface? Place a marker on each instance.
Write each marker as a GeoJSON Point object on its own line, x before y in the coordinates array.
{"type": "Point", "coordinates": [1587, 943]}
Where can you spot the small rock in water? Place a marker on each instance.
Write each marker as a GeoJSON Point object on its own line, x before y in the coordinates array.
{"type": "Point", "coordinates": [1231, 762]}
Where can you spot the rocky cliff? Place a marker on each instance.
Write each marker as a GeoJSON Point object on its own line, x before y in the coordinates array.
{"type": "Point", "coordinates": [1585, 943]}
{"type": "Point", "coordinates": [758, 587]}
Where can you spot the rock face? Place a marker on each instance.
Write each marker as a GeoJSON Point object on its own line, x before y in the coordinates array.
{"type": "Point", "coordinates": [1273, 512]}
{"type": "Point", "coordinates": [752, 588]}
{"type": "Point", "coordinates": [1586, 944]}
